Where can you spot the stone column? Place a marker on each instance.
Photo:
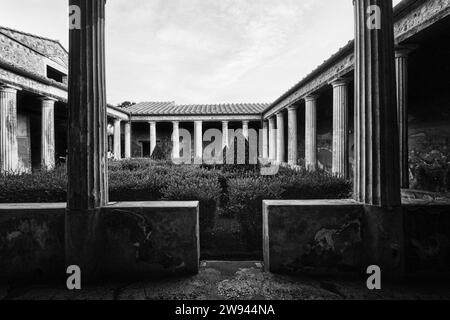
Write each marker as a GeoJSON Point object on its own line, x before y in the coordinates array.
{"type": "Point", "coordinates": [152, 137]}
{"type": "Point", "coordinates": [280, 138]}
{"type": "Point", "coordinates": [225, 136]}
{"type": "Point", "coordinates": [265, 141]}
{"type": "Point", "coordinates": [311, 132]}
{"type": "Point", "coordinates": [87, 166]}
{"type": "Point", "coordinates": [293, 135]}
{"type": "Point", "coordinates": [272, 139]}
{"type": "Point", "coordinates": [198, 136]}
{"type": "Point", "coordinates": [176, 140]}
{"type": "Point", "coordinates": [401, 64]}
{"type": "Point", "coordinates": [377, 178]}
{"type": "Point", "coordinates": [47, 133]}
{"type": "Point", "coordinates": [245, 129]}
{"type": "Point", "coordinates": [340, 128]}
{"type": "Point", "coordinates": [128, 140]}
{"type": "Point", "coordinates": [117, 140]}
{"type": "Point", "coordinates": [9, 154]}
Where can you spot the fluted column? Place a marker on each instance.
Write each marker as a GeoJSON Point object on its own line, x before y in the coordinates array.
{"type": "Point", "coordinates": [265, 141]}
{"type": "Point", "coordinates": [127, 140]}
{"type": "Point", "coordinates": [47, 133]}
{"type": "Point", "coordinates": [152, 137]}
{"type": "Point", "coordinates": [293, 135]}
{"type": "Point", "coordinates": [340, 128]}
{"type": "Point", "coordinates": [311, 132]}
{"type": "Point", "coordinates": [198, 136]}
{"type": "Point", "coordinates": [9, 155]}
{"type": "Point", "coordinates": [272, 139]}
{"type": "Point", "coordinates": [245, 129]}
{"type": "Point", "coordinates": [176, 140]}
{"type": "Point", "coordinates": [281, 154]}
{"type": "Point", "coordinates": [87, 167]}
{"type": "Point", "coordinates": [401, 64]}
{"type": "Point", "coordinates": [117, 139]}
{"type": "Point", "coordinates": [377, 178]}
{"type": "Point", "coordinates": [225, 136]}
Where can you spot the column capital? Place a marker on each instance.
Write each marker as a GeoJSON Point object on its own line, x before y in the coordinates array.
{"type": "Point", "coordinates": [245, 122]}
{"type": "Point", "coordinates": [292, 107]}
{"type": "Point", "coordinates": [50, 99]}
{"type": "Point", "coordinates": [279, 114]}
{"type": "Point", "coordinates": [117, 120]}
{"type": "Point", "coordinates": [339, 82]}
{"type": "Point", "coordinates": [311, 97]}
{"type": "Point", "coordinates": [175, 122]}
{"type": "Point", "coordinates": [9, 88]}
{"type": "Point", "coordinates": [404, 51]}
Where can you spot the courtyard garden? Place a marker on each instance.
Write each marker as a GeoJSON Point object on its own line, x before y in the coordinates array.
{"type": "Point", "coordinates": [230, 196]}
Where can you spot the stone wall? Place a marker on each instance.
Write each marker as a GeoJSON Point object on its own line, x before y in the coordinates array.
{"type": "Point", "coordinates": [140, 239]}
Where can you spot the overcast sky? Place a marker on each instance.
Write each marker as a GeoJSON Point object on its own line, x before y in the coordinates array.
{"type": "Point", "coordinates": [202, 51]}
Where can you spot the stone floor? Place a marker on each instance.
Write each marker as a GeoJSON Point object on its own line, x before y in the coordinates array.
{"type": "Point", "coordinates": [235, 281]}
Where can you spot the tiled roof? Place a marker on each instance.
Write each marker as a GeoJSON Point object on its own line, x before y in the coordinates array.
{"type": "Point", "coordinates": [170, 108]}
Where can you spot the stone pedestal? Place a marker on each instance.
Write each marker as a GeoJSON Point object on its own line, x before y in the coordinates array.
{"type": "Point", "coordinates": [127, 140]}
{"type": "Point", "coordinates": [401, 63]}
{"type": "Point", "coordinates": [340, 128]}
{"type": "Point", "coordinates": [87, 166]}
{"type": "Point", "coordinates": [152, 137]}
{"type": "Point", "coordinates": [117, 140]}
{"type": "Point", "coordinates": [311, 132]}
{"type": "Point", "coordinates": [9, 156]}
{"type": "Point", "coordinates": [48, 134]}
{"type": "Point", "coordinates": [198, 138]}
{"type": "Point", "coordinates": [176, 140]}
{"type": "Point", "coordinates": [293, 135]}
{"type": "Point", "coordinates": [281, 154]}
{"type": "Point", "coordinates": [272, 139]}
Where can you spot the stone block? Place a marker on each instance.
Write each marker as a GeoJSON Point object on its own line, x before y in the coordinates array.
{"type": "Point", "coordinates": [321, 237]}
{"type": "Point", "coordinates": [147, 239]}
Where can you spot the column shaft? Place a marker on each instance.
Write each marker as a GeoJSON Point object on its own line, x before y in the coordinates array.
{"type": "Point", "coordinates": [48, 134]}
{"type": "Point", "coordinates": [176, 140]}
{"type": "Point", "coordinates": [311, 133]}
{"type": "Point", "coordinates": [9, 155]}
{"type": "Point", "coordinates": [272, 139]}
{"type": "Point", "coordinates": [117, 140]}
{"type": "Point", "coordinates": [127, 140]}
{"type": "Point", "coordinates": [152, 137]}
{"type": "Point", "coordinates": [225, 135]}
{"type": "Point", "coordinates": [198, 141]}
{"type": "Point", "coordinates": [265, 141]}
{"type": "Point", "coordinates": [280, 138]}
{"type": "Point", "coordinates": [293, 135]}
{"type": "Point", "coordinates": [245, 129]}
{"type": "Point", "coordinates": [401, 64]}
{"type": "Point", "coordinates": [340, 128]}
{"type": "Point", "coordinates": [87, 166]}
{"type": "Point", "coordinates": [377, 179]}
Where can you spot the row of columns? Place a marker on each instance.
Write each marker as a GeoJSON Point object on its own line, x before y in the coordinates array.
{"type": "Point", "coordinates": [340, 146]}
{"type": "Point", "coordinates": [9, 151]}
{"type": "Point", "coordinates": [117, 147]}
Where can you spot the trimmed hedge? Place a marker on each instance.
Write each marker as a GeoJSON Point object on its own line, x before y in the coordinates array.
{"type": "Point", "coordinates": [237, 190]}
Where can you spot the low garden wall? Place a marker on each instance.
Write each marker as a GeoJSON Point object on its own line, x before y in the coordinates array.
{"type": "Point", "coordinates": [139, 239]}
{"type": "Point", "coordinates": [336, 237]}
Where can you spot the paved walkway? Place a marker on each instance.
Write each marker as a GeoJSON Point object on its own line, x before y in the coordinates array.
{"type": "Point", "coordinates": [233, 280]}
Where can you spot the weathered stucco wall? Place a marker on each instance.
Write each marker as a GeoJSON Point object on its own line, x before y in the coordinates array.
{"type": "Point", "coordinates": [341, 236]}
{"type": "Point", "coordinates": [139, 239]}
